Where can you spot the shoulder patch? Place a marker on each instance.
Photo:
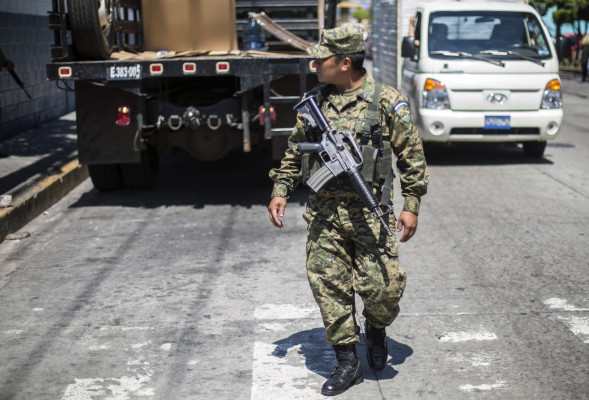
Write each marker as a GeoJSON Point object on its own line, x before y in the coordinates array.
{"type": "Point", "coordinates": [402, 111]}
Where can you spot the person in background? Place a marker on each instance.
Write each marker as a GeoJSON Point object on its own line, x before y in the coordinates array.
{"type": "Point", "coordinates": [584, 57]}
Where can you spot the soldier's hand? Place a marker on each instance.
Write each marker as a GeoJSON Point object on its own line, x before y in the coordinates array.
{"type": "Point", "coordinates": [276, 210]}
{"type": "Point", "coordinates": [408, 224]}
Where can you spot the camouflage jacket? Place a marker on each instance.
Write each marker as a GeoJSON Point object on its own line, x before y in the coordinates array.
{"type": "Point", "coordinates": [396, 124]}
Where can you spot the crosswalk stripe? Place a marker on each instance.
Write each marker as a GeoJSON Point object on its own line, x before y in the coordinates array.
{"type": "Point", "coordinates": [275, 376]}
{"type": "Point", "coordinates": [457, 337]}
{"type": "Point", "coordinates": [279, 370]}
{"type": "Point", "coordinates": [578, 325]}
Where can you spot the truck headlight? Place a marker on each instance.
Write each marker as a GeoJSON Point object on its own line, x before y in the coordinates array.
{"type": "Point", "coordinates": [552, 95]}
{"type": "Point", "coordinates": [435, 95]}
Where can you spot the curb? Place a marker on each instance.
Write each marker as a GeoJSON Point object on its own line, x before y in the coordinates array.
{"type": "Point", "coordinates": [40, 196]}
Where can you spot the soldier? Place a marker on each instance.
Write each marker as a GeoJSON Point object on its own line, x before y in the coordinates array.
{"type": "Point", "coordinates": [347, 250]}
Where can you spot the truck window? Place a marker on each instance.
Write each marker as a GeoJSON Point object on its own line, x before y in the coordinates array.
{"type": "Point", "coordinates": [417, 26]}
{"type": "Point", "coordinates": [416, 35]}
{"type": "Point", "coordinates": [480, 31]}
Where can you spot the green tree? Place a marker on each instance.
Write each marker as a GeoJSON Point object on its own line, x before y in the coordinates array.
{"type": "Point", "coordinates": [361, 14]}
{"type": "Point", "coordinates": [543, 6]}
{"type": "Point", "coordinates": [573, 12]}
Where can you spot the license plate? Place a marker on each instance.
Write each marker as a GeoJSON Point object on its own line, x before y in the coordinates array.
{"type": "Point", "coordinates": [124, 72]}
{"type": "Point", "coordinates": [497, 122]}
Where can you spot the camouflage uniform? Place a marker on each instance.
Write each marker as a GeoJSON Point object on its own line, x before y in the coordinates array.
{"type": "Point", "coordinates": [347, 252]}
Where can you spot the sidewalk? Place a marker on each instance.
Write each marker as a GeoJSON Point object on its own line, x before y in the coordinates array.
{"type": "Point", "coordinates": [37, 168]}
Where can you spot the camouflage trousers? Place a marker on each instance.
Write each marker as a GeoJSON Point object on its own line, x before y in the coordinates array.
{"type": "Point", "coordinates": [347, 253]}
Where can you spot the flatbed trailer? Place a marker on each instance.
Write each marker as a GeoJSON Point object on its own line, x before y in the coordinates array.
{"type": "Point", "coordinates": [129, 110]}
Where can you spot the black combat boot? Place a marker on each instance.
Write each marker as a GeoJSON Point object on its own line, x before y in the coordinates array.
{"type": "Point", "coordinates": [376, 345]}
{"type": "Point", "coordinates": [346, 374]}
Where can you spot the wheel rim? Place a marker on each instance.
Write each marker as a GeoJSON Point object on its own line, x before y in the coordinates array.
{"type": "Point", "coordinates": [105, 15]}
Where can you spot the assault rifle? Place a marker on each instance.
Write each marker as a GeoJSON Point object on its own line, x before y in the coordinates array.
{"type": "Point", "coordinates": [337, 158]}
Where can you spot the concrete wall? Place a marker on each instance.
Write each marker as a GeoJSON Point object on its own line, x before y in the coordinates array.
{"type": "Point", "coordinates": [24, 39]}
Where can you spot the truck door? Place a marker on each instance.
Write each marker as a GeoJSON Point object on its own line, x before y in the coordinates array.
{"type": "Point", "coordinates": [411, 65]}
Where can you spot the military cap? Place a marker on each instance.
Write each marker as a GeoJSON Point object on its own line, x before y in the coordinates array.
{"type": "Point", "coordinates": [345, 39]}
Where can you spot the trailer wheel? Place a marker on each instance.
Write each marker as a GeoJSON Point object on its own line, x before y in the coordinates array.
{"type": "Point", "coordinates": [142, 175]}
{"type": "Point", "coordinates": [534, 149]}
{"type": "Point", "coordinates": [106, 176]}
{"type": "Point", "coordinates": [92, 29]}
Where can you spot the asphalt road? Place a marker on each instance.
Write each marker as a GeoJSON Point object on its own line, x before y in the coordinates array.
{"type": "Point", "coordinates": [188, 292]}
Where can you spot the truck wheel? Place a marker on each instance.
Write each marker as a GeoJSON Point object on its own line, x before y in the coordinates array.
{"type": "Point", "coordinates": [92, 30]}
{"type": "Point", "coordinates": [534, 149]}
{"type": "Point", "coordinates": [106, 176]}
{"type": "Point", "coordinates": [144, 174]}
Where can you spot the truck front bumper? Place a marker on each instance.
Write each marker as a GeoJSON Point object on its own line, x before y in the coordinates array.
{"type": "Point", "coordinates": [469, 126]}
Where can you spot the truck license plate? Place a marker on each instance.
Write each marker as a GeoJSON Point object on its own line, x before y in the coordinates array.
{"type": "Point", "coordinates": [497, 122]}
{"type": "Point", "coordinates": [124, 72]}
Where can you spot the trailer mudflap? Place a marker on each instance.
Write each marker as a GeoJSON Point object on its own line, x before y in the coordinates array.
{"type": "Point", "coordinates": [100, 140]}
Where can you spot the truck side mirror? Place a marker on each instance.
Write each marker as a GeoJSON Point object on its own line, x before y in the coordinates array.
{"type": "Point", "coordinates": [408, 47]}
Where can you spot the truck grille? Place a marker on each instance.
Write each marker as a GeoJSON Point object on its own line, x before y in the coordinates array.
{"type": "Point", "coordinates": [481, 131]}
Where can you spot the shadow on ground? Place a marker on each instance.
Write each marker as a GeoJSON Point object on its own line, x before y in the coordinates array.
{"type": "Point", "coordinates": [320, 357]}
{"type": "Point", "coordinates": [49, 148]}
{"type": "Point", "coordinates": [239, 179]}
{"type": "Point", "coordinates": [481, 154]}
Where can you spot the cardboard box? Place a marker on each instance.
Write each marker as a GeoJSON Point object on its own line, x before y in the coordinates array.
{"type": "Point", "coordinates": [180, 25]}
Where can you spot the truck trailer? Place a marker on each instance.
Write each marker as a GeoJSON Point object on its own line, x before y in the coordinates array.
{"type": "Point", "coordinates": [136, 98]}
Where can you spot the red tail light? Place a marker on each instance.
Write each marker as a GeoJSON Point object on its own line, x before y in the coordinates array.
{"type": "Point", "coordinates": [123, 116]}
{"type": "Point", "coordinates": [262, 114]}
{"type": "Point", "coordinates": [65, 72]}
{"type": "Point", "coordinates": [222, 67]}
{"type": "Point", "coordinates": [156, 69]}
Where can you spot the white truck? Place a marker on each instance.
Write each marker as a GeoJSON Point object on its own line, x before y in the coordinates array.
{"type": "Point", "coordinates": [480, 72]}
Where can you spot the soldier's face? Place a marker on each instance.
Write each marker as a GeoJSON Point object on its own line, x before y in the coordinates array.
{"type": "Point", "coordinates": [328, 71]}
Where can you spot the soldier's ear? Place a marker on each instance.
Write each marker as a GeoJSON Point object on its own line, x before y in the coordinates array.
{"type": "Point", "coordinates": [346, 64]}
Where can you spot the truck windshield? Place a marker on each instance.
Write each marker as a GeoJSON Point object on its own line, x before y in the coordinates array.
{"type": "Point", "coordinates": [493, 34]}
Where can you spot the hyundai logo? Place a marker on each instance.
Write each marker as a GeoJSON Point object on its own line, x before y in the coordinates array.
{"type": "Point", "coordinates": [497, 98]}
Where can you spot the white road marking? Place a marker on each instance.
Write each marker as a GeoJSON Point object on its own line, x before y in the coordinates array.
{"type": "Point", "coordinates": [457, 337]}
{"type": "Point", "coordinates": [137, 328]}
{"type": "Point", "coordinates": [13, 332]}
{"type": "Point", "coordinates": [286, 311]}
{"type": "Point", "coordinates": [136, 384]}
{"type": "Point", "coordinates": [482, 388]}
{"type": "Point", "coordinates": [280, 371]}
{"type": "Point", "coordinates": [562, 304]}
{"type": "Point", "coordinates": [137, 346]}
{"type": "Point", "coordinates": [578, 325]}
{"type": "Point", "coordinates": [476, 360]}
{"type": "Point", "coordinates": [271, 326]}
{"type": "Point", "coordinates": [276, 377]}
{"type": "Point", "coordinates": [115, 389]}
{"type": "Point", "coordinates": [100, 347]}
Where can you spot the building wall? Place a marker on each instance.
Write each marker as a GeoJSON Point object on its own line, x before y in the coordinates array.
{"type": "Point", "coordinates": [25, 39]}
{"type": "Point", "coordinates": [385, 35]}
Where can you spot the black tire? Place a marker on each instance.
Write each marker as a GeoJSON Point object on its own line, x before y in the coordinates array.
{"type": "Point", "coordinates": [534, 149]}
{"type": "Point", "coordinates": [142, 175]}
{"type": "Point", "coordinates": [92, 30]}
{"type": "Point", "coordinates": [106, 176]}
